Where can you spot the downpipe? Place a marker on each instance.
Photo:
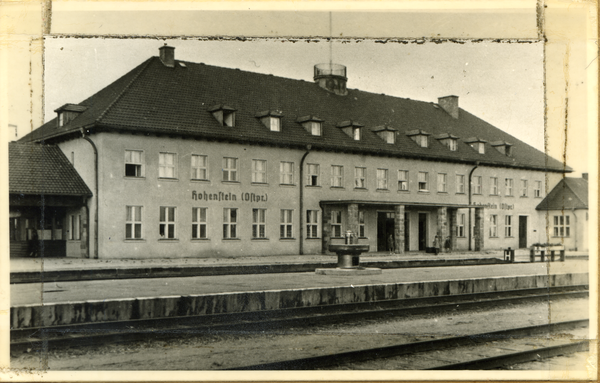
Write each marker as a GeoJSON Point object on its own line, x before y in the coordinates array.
{"type": "Point", "coordinates": [96, 192]}
{"type": "Point", "coordinates": [301, 202]}
{"type": "Point", "coordinates": [470, 198]}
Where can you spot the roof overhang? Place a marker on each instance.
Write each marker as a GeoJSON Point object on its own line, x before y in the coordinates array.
{"type": "Point", "coordinates": [391, 203]}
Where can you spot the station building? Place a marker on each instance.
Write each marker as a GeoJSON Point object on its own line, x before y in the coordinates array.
{"type": "Point", "coordinates": [190, 160]}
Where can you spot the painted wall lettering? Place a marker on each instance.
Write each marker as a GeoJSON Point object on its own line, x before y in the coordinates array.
{"type": "Point", "coordinates": [221, 196]}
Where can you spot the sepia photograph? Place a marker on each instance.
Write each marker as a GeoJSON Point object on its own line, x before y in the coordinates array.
{"type": "Point", "coordinates": [322, 203]}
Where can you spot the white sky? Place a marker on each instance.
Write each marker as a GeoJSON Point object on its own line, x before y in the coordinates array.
{"type": "Point", "coordinates": [502, 83]}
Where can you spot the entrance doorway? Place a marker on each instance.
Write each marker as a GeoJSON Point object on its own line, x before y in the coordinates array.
{"type": "Point", "coordinates": [385, 228]}
{"type": "Point", "coordinates": [422, 231]}
{"type": "Point", "coordinates": [406, 232]}
{"type": "Point", "coordinates": [522, 232]}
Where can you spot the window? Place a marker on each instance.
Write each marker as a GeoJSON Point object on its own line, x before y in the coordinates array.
{"type": "Point", "coordinates": [423, 181]}
{"type": "Point", "coordinates": [166, 165]}
{"type": "Point", "coordinates": [360, 178]}
{"type": "Point", "coordinates": [75, 227]}
{"type": "Point", "coordinates": [382, 179]}
{"type": "Point", "coordinates": [259, 171]}
{"type": "Point", "coordinates": [508, 186]}
{"type": "Point", "coordinates": [450, 143]}
{"type": "Point", "coordinates": [199, 223]}
{"type": "Point", "coordinates": [403, 180]}
{"type": "Point", "coordinates": [312, 125]}
{"type": "Point", "coordinates": [461, 225]}
{"type": "Point", "coordinates": [285, 226]}
{"type": "Point", "coordinates": [312, 223]}
{"type": "Point", "coordinates": [312, 175]}
{"type": "Point", "coordinates": [562, 226]}
{"type": "Point", "coordinates": [259, 223]}
{"type": "Point", "coordinates": [224, 114]}
{"type": "Point", "coordinates": [199, 167]}
{"type": "Point", "coordinates": [460, 183]}
{"type": "Point", "coordinates": [508, 226]}
{"type": "Point", "coordinates": [272, 122]}
{"type": "Point", "coordinates": [388, 135]}
{"type": "Point", "coordinates": [477, 185]}
{"type": "Point", "coordinates": [133, 222]}
{"type": "Point", "coordinates": [524, 187]}
{"type": "Point", "coordinates": [361, 224]}
{"type": "Point", "coordinates": [133, 163]}
{"type": "Point", "coordinates": [494, 185]}
{"type": "Point", "coordinates": [356, 133]}
{"type": "Point", "coordinates": [286, 173]}
{"type": "Point", "coordinates": [229, 223]}
{"type": "Point", "coordinates": [166, 228]}
{"type": "Point", "coordinates": [336, 223]}
{"type": "Point", "coordinates": [230, 169]}
{"type": "Point", "coordinates": [337, 176]}
{"type": "Point", "coordinates": [351, 128]}
{"type": "Point", "coordinates": [537, 191]}
{"type": "Point", "coordinates": [441, 183]}
{"type": "Point", "coordinates": [493, 225]}
{"type": "Point", "coordinates": [421, 140]}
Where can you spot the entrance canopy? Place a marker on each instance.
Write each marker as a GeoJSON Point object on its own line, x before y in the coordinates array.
{"type": "Point", "coordinates": [391, 204]}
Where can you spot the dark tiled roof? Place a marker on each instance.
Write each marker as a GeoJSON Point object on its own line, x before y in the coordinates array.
{"type": "Point", "coordinates": [42, 169]}
{"type": "Point", "coordinates": [153, 98]}
{"type": "Point", "coordinates": [569, 193]}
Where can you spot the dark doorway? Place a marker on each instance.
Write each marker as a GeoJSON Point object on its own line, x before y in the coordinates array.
{"type": "Point", "coordinates": [385, 228]}
{"type": "Point", "coordinates": [422, 231]}
{"type": "Point", "coordinates": [406, 232]}
{"type": "Point", "coordinates": [522, 232]}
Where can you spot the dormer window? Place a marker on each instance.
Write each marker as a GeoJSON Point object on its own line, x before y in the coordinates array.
{"type": "Point", "coordinates": [503, 147]}
{"type": "Point", "coordinates": [352, 129]}
{"type": "Point", "coordinates": [68, 113]}
{"type": "Point", "coordinates": [421, 137]}
{"type": "Point", "coordinates": [271, 119]}
{"type": "Point", "coordinates": [449, 140]}
{"type": "Point", "coordinates": [386, 133]}
{"type": "Point", "coordinates": [224, 114]}
{"type": "Point", "coordinates": [477, 143]}
{"type": "Point", "coordinates": [312, 124]}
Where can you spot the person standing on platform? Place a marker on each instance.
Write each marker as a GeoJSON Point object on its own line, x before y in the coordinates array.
{"type": "Point", "coordinates": [34, 244]}
{"type": "Point", "coordinates": [391, 244]}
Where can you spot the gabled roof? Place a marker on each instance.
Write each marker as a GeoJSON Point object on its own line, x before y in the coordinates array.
{"type": "Point", "coordinates": [154, 98]}
{"type": "Point", "coordinates": [42, 169]}
{"type": "Point", "coordinates": [569, 193]}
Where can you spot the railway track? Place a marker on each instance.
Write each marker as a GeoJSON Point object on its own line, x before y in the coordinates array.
{"type": "Point", "coordinates": [130, 331]}
{"type": "Point", "coordinates": [472, 352]}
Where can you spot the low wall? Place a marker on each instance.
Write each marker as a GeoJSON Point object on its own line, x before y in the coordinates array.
{"type": "Point", "coordinates": [33, 316]}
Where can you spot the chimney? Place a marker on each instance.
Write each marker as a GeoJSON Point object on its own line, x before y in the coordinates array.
{"type": "Point", "coordinates": [584, 176]}
{"type": "Point", "coordinates": [167, 55]}
{"type": "Point", "coordinates": [450, 105]}
{"type": "Point", "coordinates": [332, 78]}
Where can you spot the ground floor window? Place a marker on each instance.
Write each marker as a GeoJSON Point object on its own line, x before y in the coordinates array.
{"type": "Point", "coordinates": [199, 223]}
{"type": "Point", "coordinates": [562, 226]}
{"type": "Point", "coordinates": [461, 225]}
{"type": "Point", "coordinates": [75, 227]}
{"type": "Point", "coordinates": [286, 226]}
{"type": "Point", "coordinates": [312, 223]}
{"type": "Point", "coordinates": [336, 223]}
{"type": "Point", "coordinates": [229, 223]}
{"type": "Point", "coordinates": [508, 226]}
{"type": "Point", "coordinates": [166, 228]}
{"type": "Point", "coordinates": [133, 223]}
{"type": "Point", "coordinates": [259, 223]}
{"type": "Point", "coordinates": [361, 224]}
{"type": "Point", "coordinates": [493, 225]}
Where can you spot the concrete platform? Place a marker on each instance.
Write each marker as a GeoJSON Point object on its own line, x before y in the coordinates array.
{"type": "Point", "coordinates": [349, 271]}
{"type": "Point", "coordinates": [67, 303]}
{"type": "Point", "coordinates": [28, 270]}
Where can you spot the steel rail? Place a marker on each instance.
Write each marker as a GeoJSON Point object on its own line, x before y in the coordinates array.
{"type": "Point", "coordinates": [353, 357]}
{"type": "Point", "coordinates": [111, 332]}
{"type": "Point", "coordinates": [518, 357]}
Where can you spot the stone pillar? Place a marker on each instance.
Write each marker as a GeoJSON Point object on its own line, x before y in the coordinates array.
{"type": "Point", "coordinates": [442, 226]}
{"type": "Point", "coordinates": [478, 230]}
{"type": "Point", "coordinates": [326, 229]}
{"type": "Point", "coordinates": [453, 218]}
{"type": "Point", "coordinates": [399, 228]}
{"type": "Point", "coordinates": [352, 218]}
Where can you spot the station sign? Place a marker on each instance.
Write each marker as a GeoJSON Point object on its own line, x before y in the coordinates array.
{"type": "Point", "coordinates": [494, 206]}
{"type": "Point", "coordinates": [228, 196]}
